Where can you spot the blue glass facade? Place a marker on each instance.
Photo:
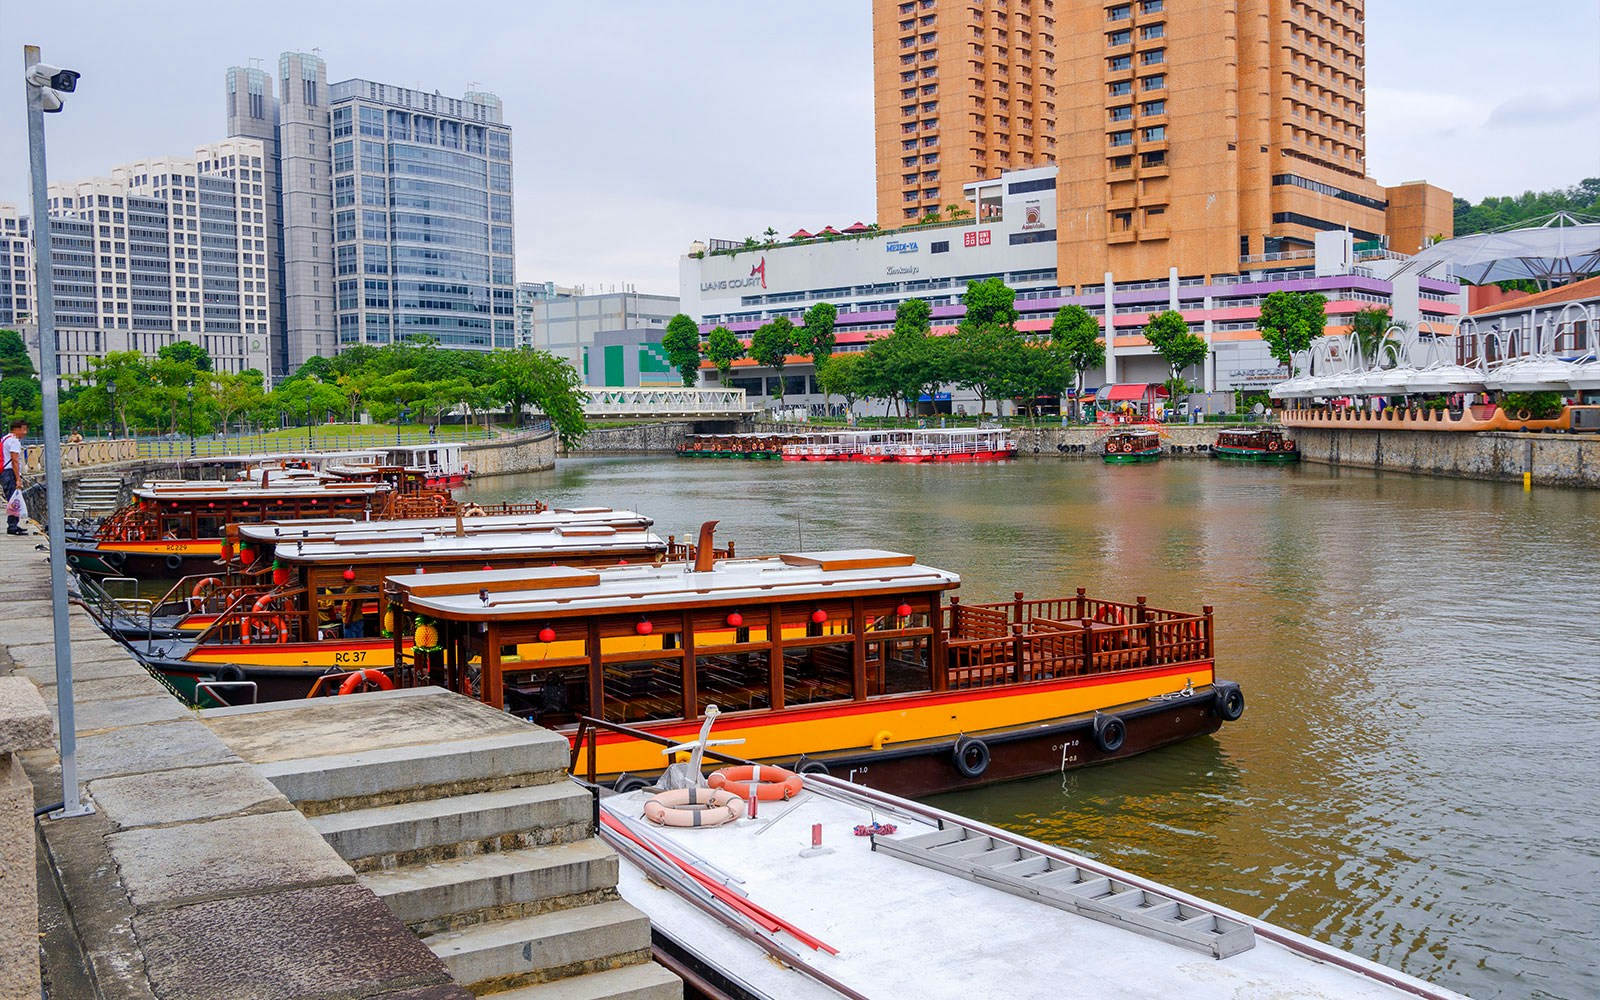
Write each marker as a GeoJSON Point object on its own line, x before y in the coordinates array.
{"type": "Point", "coordinates": [422, 218]}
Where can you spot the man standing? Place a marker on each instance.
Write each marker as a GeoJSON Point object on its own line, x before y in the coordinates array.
{"type": "Point", "coordinates": [11, 471]}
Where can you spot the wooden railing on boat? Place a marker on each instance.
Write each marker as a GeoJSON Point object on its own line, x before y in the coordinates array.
{"type": "Point", "coordinates": [1021, 640]}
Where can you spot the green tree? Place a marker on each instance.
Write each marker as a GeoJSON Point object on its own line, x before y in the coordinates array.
{"type": "Point", "coordinates": [186, 352]}
{"type": "Point", "coordinates": [1503, 212]}
{"type": "Point", "coordinates": [682, 344]}
{"type": "Point", "coordinates": [1034, 369]}
{"type": "Point", "coordinates": [1289, 322]}
{"type": "Point", "coordinates": [1369, 326]}
{"type": "Point", "coordinates": [237, 394]}
{"type": "Point", "coordinates": [19, 398]}
{"type": "Point", "coordinates": [1169, 334]}
{"type": "Point", "coordinates": [840, 375]}
{"type": "Point", "coordinates": [978, 356]}
{"type": "Point", "coordinates": [114, 387]}
{"type": "Point", "coordinates": [1077, 335]}
{"type": "Point", "coordinates": [816, 331]}
{"type": "Point", "coordinates": [771, 346]}
{"type": "Point", "coordinates": [14, 358]}
{"type": "Point", "coordinates": [908, 362]}
{"type": "Point", "coordinates": [527, 377]}
{"type": "Point", "coordinates": [989, 302]}
{"type": "Point", "coordinates": [722, 350]}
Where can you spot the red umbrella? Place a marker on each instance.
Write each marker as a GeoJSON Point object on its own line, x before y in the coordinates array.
{"type": "Point", "coordinates": [859, 227]}
{"type": "Point", "coordinates": [800, 234]}
{"type": "Point", "coordinates": [829, 231]}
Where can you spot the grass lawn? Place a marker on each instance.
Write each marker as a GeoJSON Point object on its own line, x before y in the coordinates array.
{"type": "Point", "coordinates": [324, 437]}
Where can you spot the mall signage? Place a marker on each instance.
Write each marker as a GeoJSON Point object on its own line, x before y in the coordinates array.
{"type": "Point", "coordinates": [901, 246]}
{"type": "Point", "coordinates": [975, 238]}
{"type": "Point", "coordinates": [756, 279]}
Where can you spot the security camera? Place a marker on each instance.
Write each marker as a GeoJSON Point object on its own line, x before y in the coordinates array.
{"type": "Point", "coordinates": [54, 77]}
{"type": "Point", "coordinates": [51, 101]}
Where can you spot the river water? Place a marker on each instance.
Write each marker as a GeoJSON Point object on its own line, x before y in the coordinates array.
{"type": "Point", "coordinates": [1417, 774]}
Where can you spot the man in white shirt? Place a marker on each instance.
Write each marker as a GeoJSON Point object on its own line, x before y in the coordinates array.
{"type": "Point", "coordinates": [11, 470]}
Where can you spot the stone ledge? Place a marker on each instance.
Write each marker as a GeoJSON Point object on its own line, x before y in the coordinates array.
{"type": "Point", "coordinates": [25, 720]}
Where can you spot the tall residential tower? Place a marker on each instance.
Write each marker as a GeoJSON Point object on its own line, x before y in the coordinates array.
{"type": "Point", "coordinates": [963, 91]}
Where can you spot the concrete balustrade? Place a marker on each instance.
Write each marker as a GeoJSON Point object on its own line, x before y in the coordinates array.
{"type": "Point", "coordinates": [81, 454]}
{"type": "Point", "coordinates": [24, 725]}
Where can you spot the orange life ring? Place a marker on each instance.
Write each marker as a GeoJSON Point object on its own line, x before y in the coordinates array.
{"type": "Point", "coordinates": [771, 783]}
{"type": "Point", "coordinates": [369, 676]}
{"type": "Point", "coordinates": [272, 629]}
{"type": "Point", "coordinates": [1288, 446]}
{"type": "Point", "coordinates": [1272, 446]}
{"type": "Point", "coordinates": [209, 584]}
{"type": "Point", "coordinates": [1110, 615]}
{"type": "Point", "coordinates": [693, 807]}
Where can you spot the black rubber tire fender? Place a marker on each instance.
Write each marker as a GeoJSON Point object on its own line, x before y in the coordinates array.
{"type": "Point", "coordinates": [230, 672]}
{"type": "Point", "coordinates": [1230, 701]}
{"type": "Point", "coordinates": [174, 562]}
{"type": "Point", "coordinates": [971, 757]}
{"type": "Point", "coordinates": [631, 783]}
{"type": "Point", "coordinates": [1110, 733]}
{"type": "Point", "coordinates": [804, 766]}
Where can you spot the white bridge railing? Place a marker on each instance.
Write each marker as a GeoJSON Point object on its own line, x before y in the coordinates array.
{"type": "Point", "coordinates": [664, 402]}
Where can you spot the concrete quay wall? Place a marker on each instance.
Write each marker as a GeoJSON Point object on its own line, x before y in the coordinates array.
{"type": "Point", "coordinates": [194, 877]}
{"type": "Point", "coordinates": [1553, 459]}
{"type": "Point", "coordinates": [512, 454]}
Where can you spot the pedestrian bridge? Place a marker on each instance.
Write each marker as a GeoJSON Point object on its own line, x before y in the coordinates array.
{"type": "Point", "coordinates": [616, 402]}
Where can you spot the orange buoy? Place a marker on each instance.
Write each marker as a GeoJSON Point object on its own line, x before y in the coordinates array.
{"type": "Point", "coordinates": [771, 783]}
{"type": "Point", "coordinates": [360, 678]}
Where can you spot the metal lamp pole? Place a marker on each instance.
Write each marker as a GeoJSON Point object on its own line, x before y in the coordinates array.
{"type": "Point", "coordinates": [191, 421]}
{"type": "Point", "coordinates": [308, 418]}
{"type": "Point", "coordinates": [44, 276]}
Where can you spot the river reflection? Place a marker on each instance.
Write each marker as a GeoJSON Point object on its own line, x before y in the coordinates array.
{"type": "Point", "coordinates": [1415, 778]}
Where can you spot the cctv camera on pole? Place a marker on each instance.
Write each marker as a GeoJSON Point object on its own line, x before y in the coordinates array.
{"type": "Point", "coordinates": [44, 85]}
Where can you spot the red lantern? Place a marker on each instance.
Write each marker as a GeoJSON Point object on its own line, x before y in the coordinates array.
{"type": "Point", "coordinates": [547, 634]}
{"type": "Point", "coordinates": [819, 616]}
{"type": "Point", "coordinates": [622, 562]}
{"type": "Point", "coordinates": [280, 577]}
{"type": "Point", "coordinates": [904, 611]}
{"type": "Point", "coordinates": [247, 556]}
{"type": "Point", "coordinates": [644, 627]}
{"type": "Point", "coordinates": [735, 620]}
{"type": "Point", "coordinates": [227, 551]}
{"type": "Point", "coordinates": [350, 575]}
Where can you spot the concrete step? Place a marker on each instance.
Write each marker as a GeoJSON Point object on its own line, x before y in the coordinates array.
{"type": "Point", "coordinates": [449, 895]}
{"type": "Point", "coordinates": [411, 833]}
{"type": "Point", "coordinates": [340, 782]}
{"type": "Point", "coordinates": [648, 981]}
{"type": "Point", "coordinates": [511, 953]}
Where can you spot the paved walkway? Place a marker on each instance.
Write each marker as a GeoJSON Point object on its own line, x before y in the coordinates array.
{"type": "Point", "coordinates": [195, 879]}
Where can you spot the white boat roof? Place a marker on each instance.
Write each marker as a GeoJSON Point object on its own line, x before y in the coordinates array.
{"type": "Point", "coordinates": [904, 930]}
{"type": "Point", "coordinates": [436, 544]}
{"type": "Point", "coordinates": [563, 590]}
{"type": "Point", "coordinates": [294, 487]}
{"type": "Point", "coordinates": [279, 456]}
{"type": "Point", "coordinates": [276, 531]}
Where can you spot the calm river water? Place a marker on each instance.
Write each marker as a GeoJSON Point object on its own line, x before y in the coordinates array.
{"type": "Point", "coordinates": [1417, 775]}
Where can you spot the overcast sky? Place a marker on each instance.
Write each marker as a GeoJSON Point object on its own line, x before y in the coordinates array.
{"type": "Point", "coordinates": [641, 126]}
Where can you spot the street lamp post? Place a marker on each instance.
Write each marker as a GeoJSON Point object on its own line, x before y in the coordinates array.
{"type": "Point", "coordinates": [41, 84]}
{"type": "Point", "coordinates": [308, 418]}
{"type": "Point", "coordinates": [191, 421]}
{"type": "Point", "coordinates": [111, 404]}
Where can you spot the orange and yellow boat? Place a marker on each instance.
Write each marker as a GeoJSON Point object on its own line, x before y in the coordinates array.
{"type": "Point", "coordinates": [843, 661]}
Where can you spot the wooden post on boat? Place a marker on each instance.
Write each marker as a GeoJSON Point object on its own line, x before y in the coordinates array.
{"type": "Point", "coordinates": [691, 680]}
{"type": "Point", "coordinates": [955, 618]}
{"type": "Point", "coordinates": [597, 675]}
{"type": "Point", "coordinates": [1205, 609]}
{"type": "Point", "coordinates": [1018, 654]}
{"type": "Point", "coordinates": [858, 652]}
{"type": "Point", "coordinates": [461, 527]}
{"type": "Point", "coordinates": [705, 553]}
{"type": "Point", "coordinates": [1080, 608]}
{"type": "Point", "coordinates": [1146, 629]}
{"type": "Point", "coordinates": [1016, 606]}
{"type": "Point", "coordinates": [775, 658]}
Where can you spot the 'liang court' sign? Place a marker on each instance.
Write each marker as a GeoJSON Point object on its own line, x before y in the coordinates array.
{"type": "Point", "coordinates": [756, 279]}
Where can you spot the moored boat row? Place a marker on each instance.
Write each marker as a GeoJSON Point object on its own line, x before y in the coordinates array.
{"type": "Point", "coordinates": [907, 446]}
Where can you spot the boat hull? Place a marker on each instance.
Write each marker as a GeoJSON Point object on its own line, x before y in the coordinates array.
{"type": "Point", "coordinates": [1254, 454]}
{"type": "Point", "coordinates": [145, 560]}
{"type": "Point", "coordinates": [1129, 458]}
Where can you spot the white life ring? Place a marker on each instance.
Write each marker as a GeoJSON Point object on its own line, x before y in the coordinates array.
{"type": "Point", "coordinates": [693, 807]}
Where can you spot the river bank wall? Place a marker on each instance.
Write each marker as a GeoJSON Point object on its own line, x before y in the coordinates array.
{"type": "Point", "coordinates": [1552, 459]}
{"type": "Point", "coordinates": [512, 454]}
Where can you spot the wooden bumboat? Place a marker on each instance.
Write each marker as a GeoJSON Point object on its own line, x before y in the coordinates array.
{"type": "Point", "coordinates": [954, 444]}
{"type": "Point", "coordinates": [843, 661]}
{"type": "Point", "coordinates": [302, 599]}
{"type": "Point", "coordinates": [1136, 445]}
{"type": "Point", "coordinates": [1266, 444]}
{"type": "Point", "coordinates": [170, 529]}
{"type": "Point", "coordinates": [746, 446]}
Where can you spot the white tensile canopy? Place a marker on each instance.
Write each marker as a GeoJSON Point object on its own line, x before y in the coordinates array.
{"type": "Point", "coordinates": [1561, 248]}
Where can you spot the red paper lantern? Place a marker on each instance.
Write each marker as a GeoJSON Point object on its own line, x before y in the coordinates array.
{"type": "Point", "coordinates": [350, 575]}
{"type": "Point", "coordinates": [247, 556]}
{"type": "Point", "coordinates": [547, 634]}
{"type": "Point", "coordinates": [280, 577]}
{"type": "Point", "coordinates": [904, 611]}
{"type": "Point", "coordinates": [487, 567]}
{"type": "Point", "coordinates": [735, 619]}
{"type": "Point", "coordinates": [819, 616]}
{"type": "Point", "coordinates": [644, 627]}
{"type": "Point", "coordinates": [622, 562]}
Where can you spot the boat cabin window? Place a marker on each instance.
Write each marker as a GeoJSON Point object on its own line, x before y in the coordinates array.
{"type": "Point", "coordinates": [551, 697]}
{"type": "Point", "coordinates": [644, 690]}
{"type": "Point", "coordinates": [900, 666]}
{"type": "Point", "coordinates": [821, 672]}
{"type": "Point", "coordinates": [208, 526]}
{"type": "Point", "coordinates": [175, 526]}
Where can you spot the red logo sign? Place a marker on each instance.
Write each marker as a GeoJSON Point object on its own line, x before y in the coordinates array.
{"type": "Point", "coordinates": [975, 238]}
{"type": "Point", "coordinates": [760, 269]}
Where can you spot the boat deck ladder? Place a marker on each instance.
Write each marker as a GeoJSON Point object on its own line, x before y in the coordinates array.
{"type": "Point", "coordinates": [1031, 875]}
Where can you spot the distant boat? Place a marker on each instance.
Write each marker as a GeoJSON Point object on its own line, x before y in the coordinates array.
{"type": "Point", "coordinates": [1130, 445]}
{"type": "Point", "coordinates": [1266, 444]}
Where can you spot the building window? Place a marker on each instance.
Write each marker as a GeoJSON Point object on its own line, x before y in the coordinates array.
{"type": "Point", "coordinates": [1155, 159]}
{"type": "Point", "coordinates": [1118, 63]}
{"type": "Point", "coordinates": [1155, 133]}
{"type": "Point", "coordinates": [1122, 88]}
{"type": "Point", "coordinates": [1119, 12]}
{"type": "Point", "coordinates": [1151, 31]}
{"type": "Point", "coordinates": [1152, 6]}
{"type": "Point", "coordinates": [1153, 58]}
{"type": "Point", "coordinates": [943, 246]}
{"type": "Point", "coordinates": [1121, 222]}
{"type": "Point", "coordinates": [1115, 38]}
{"type": "Point", "coordinates": [1153, 108]}
{"type": "Point", "coordinates": [1122, 114]}
{"type": "Point", "coordinates": [1122, 138]}
{"type": "Point", "coordinates": [1157, 82]}
{"type": "Point", "coordinates": [1122, 163]}
{"type": "Point", "coordinates": [1042, 236]}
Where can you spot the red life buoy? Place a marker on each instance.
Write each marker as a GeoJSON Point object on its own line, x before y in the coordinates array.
{"type": "Point", "coordinates": [361, 678]}
{"type": "Point", "coordinates": [1110, 615]}
{"type": "Point", "coordinates": [271, 629]}
{"type": "Point", "coordinates": [1272, 446]}
{"type": "Point", "coordinates": [209, 583]}
{"type": "Point", "coordinates": [771, 783]}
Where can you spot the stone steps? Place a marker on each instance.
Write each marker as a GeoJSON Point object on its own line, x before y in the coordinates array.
{"type": "Point", "coordinates": [419, 832]}
{"type": "Point", "coordinates": [551, 946]}
{"type": "Point", "coordinates": [648, 981]}
{"type": "Point", "coordinates": [450, 895]}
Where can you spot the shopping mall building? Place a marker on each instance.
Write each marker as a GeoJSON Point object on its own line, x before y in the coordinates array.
{"type": "Point", "coordinates": [1011, 233]}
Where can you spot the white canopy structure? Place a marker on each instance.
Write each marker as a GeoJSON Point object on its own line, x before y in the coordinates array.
{"type": "Point", "coordinates": [1561, 248]}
